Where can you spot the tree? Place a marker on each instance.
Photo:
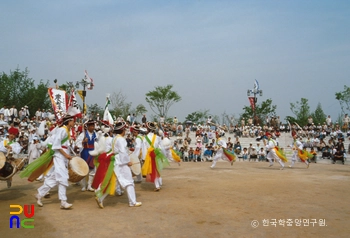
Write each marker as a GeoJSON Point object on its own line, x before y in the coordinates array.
{"type": "Point", "coordinates": [122, 108]}
{"type": "Point", "coordinates": [301, 110]}
{"type": "Point", "coordinates": [199, 117]}
{"type": "Point", "coordinates": [93, 109]}
{"type": "Point", "coordinates": [261, 111]}
{"type": "Point", "coordinates": [161, 99]}
{"type": "Point", "coordinates": [344, 99]}
{"type": "Point", "coordinates": [139, 110]}
{"type": "Point", "coordinates": [20, 90]}
{"type": "Point", "coordinates": [318, 116]}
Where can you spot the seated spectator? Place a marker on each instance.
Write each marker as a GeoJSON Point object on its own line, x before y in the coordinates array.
{"type": "Point", "coordinates": [245, 154]}
{"type": "Point", "coordinates": [197, 154]}
{"type": "Point", "coordinates": [326, 153]}
{"type": "Point", "coordinates": [321, 145]}
{"type": "Point", "coordinates": [208, 153]}
{"type": "Point", "coordinates": [262, 154]}
{"type": "Point", "coordinates": [277, 133]}
{"type": "Point", "coordinates": [314, 153]}
{"type": "Point", "coordinates": [338, 155]}
{"type": "Point", "coordinates": [182, 156]}
{"type": "Point", "coordinates": [230, 149]}
{"type": "Point", "coordinates": [237, 147]}
{"type": "Point", "coordinates": [229, 142]}
{"type": "Point", "coordinates": [191, 154]}
{"type": "Point", "coordinates": [253, 155]}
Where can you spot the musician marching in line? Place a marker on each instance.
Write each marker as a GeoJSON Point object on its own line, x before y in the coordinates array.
{"type": "Point", "coordinates": [121, 170]}
{"type": "Point", "coordinates": [137, 150]}
{"type": "Point", "coordinates": [10, 146]}
{"type": "Point", "coordinates": [85, 142]}
{"type": "Point", "coordinates": [58, 173]}
{"type": "Point", "coordinates": [297, 148]}
{"type": "Point", "coordinates": [152, 157]}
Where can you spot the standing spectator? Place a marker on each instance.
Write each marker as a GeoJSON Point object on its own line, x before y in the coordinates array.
{"type": "Point", "coordinates": [250, 121]}
{"type": "Point", "coordinates": [187, 130]}
{"type": "Point", "coordinates": [132, 119]}
{"type": "Point", "coordinates": [242, 123]}
{"type": "Point", "coordinates": [38, 115]}
{"type": "Point", "coordinates": [6, 114]}
{"type": "Point", "coordinates": [13, 113]}
{"type": "Point", "coordinates": [346, 121]}
{"type": "Point", "coordinates": [2, 113]}
{"type": "Point", "coordinates": [278, 121]}
{"type": "Point", "coordinates": [26, 111]}
{"type": "Point", "coordinates": [209, 120]}
{"type": "Point", "coordinates": [329, 121]}
{"type": "Point", "coordinates": [310, 121]}
{"type": "Point", "coordinates": [267, 121]}
{"type": "Point", "coordinates": [20, 113]}
{"type": "Point", "coordinates": [144, 119]}
{"type": "Point", "coordinates": [43, 114]}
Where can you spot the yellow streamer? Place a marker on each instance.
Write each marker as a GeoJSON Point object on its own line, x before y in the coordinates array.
{"type": "Point", "coordinates": [112, 185]}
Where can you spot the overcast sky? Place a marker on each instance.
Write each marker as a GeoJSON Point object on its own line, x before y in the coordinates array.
{"type": "Point", "coordinates": [211, 51]}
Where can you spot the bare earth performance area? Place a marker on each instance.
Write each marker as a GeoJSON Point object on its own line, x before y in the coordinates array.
{"type": "Point", "coordinates": [248, 199]}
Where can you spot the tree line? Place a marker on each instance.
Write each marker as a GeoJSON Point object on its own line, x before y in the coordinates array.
{"type": "Point", "coordinates": [18, 89]}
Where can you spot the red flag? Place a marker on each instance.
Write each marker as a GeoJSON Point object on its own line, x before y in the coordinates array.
{"type": "Point", "coordinates": [252, 102]}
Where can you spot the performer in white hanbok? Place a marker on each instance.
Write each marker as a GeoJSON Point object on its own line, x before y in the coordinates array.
{"type": "Point", "coordinates": [58, 174]}
{"type": "Point", "coordinates": [221, 143]}
{"type": "Point", "coordinates": [137, 150]}
{"type": "Point", "coordinates": [297, 148]}
{"type": "Point", "coordinates": [154, 159]}
{"type": "Point", "coordinates": [271, 147]}
{"type": "Point", "coordinates": [121, 169]}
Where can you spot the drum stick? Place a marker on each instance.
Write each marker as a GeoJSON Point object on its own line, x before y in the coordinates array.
{"type": "Point", "coordinates": [72, 151]}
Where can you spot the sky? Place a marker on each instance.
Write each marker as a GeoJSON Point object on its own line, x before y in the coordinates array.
{"type": "Point", "coordinates": [210, 51]}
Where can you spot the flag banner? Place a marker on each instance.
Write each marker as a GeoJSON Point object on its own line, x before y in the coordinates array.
{"type": "Point", "coordinates": [90, 81]}
{"type": "Point", "coordinates": [73, 107]}
{"type": "Point", "coordinates": [59, 102]}
{"type": "Point", "coordinates": [252, 103]}
{"type": "Point", "coordinates": [107, 115]}
{"type": "Point", "coordinates": [80, 93]}
{"type": "Point", "coordinates": [256, 85]}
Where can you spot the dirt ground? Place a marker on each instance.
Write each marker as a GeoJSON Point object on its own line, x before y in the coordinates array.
{"type": "Point", "coordinates": [196, 201]}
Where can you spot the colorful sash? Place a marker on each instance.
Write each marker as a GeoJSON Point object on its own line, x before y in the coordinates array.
{"type": "Point", "coordinates": [41, 165]}
{"type": "Point", "coordinates": [230, 155]}
{"type": "Point", "coordinates": [105, 179]}
{"type": "Point", "coordinates": [279, 152]}
{"type": "Point", "coordinates": [155, 161]}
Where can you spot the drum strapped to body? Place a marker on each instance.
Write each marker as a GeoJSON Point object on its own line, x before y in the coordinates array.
{"type": "Point", "coordinates": [136, 165]}
{"type": "Point", "coordinates": [9, 166]}
{"type": "Point", "coordinates": [77, 169]}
